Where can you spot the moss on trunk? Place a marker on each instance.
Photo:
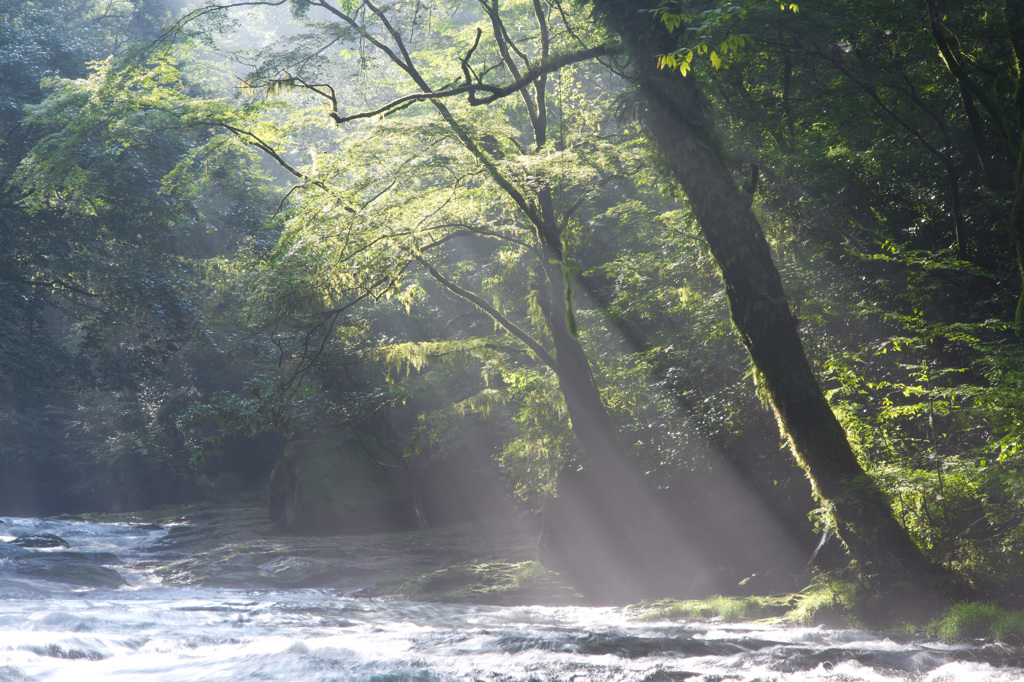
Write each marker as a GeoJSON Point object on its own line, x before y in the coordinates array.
{"type": "Point", "coordinates": [684, 133]}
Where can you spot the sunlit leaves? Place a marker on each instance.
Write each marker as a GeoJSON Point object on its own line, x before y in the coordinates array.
{"type": "Point", "coordinates": [435, 205]}
{"type": "Point", "coordinates": [676, 61]}
{"type": "Point", "coordinates": [104, 125]}
{"type": "Point", "coordinates": [700, 31]}
{"type": "Point", "coordinates": [404, 358]}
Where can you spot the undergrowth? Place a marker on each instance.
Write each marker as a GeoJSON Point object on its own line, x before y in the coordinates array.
{"type": "Point", "coordinates": [817, 604]}
{"type": "Point", "coordinates": [833, 605]}
{"type": "Point", "coordinates": [979, 620]}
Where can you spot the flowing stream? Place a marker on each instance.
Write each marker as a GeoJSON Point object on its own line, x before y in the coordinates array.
{"type": "Point", "coordinates": [142, 630]}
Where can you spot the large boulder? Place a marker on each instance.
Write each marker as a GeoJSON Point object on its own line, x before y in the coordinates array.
{"type": "Point", "coordinates": [330, 485]}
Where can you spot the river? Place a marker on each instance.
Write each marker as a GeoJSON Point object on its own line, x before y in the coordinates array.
{"type": "Point", "coordinates": [144, 630]}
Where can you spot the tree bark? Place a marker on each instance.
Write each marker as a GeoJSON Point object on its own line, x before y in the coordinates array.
{"type": "Point", "coordinates": [604, 529]}
{"type": "Point", "coordinates": [680, 127]}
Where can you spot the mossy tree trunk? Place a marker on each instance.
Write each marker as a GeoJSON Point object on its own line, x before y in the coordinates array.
{"type": "Point", "coordinates": [679, 124]}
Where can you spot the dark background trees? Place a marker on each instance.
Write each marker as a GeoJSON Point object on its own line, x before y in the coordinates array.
{"type": "Point", "coordinates": [98, 270]}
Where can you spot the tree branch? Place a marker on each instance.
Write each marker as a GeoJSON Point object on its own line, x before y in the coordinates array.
{"type": "Point", "coordinates": [473, 90]}
{"type": "Point", "coordinates": [507, 324]}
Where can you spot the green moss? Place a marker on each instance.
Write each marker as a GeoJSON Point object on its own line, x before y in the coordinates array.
{"type": "Point", "coordinates": [483, 582]}
{"type": "Point", "coordinates": [530, 571]}
{"type": "Point", "coordinates": [979, 620]}
{"type": "Point", "coordinates": [821, 603]}
{"type": "Point", "coordinates": [717, 607]}
{"type": "Point", "coordinates": [818, 603]}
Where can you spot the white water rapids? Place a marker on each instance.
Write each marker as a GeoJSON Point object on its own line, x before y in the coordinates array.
{"type": "Point", "coordinates": [51, 630]}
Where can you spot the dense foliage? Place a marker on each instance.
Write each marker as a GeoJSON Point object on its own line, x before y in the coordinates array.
{"type": "Point", "coordinates": [99, 267]}
{"type": "Point", "coordinates": [427, 220]}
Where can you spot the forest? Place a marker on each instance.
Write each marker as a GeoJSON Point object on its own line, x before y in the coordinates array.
{"type": "Point", "coordinates": [721, 294]}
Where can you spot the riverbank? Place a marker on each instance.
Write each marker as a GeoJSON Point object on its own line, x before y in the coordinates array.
{"type": "Point", "coordinates": [822, 604]}
{"type": "Point", "coordinates": [490, 561]}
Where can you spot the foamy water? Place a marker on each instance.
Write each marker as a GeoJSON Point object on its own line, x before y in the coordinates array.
{"type": "Point", "coordinates": [145, 631]}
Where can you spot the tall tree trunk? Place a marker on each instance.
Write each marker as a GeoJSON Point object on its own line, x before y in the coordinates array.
{"type": "Point", "coordinates": [680, 127]}
{"type": "Point", "coordinates": [605, 528]}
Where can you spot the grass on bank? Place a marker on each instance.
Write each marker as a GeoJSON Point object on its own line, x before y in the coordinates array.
{"type": "Point", "coordinates": [833, 605]}
{"type": "Point", "coordinates": [817, 604]}
{"type": "Point", "coordinates": [979, 620]}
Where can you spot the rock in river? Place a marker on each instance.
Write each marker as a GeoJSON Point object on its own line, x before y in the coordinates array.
{"type": "Point", "coordinates": [75, 573]}
{"type": "Point", "coordinates": [40, 540]}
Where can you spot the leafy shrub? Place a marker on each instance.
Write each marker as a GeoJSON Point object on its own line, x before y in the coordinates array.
{"type": "Point", "coordinates": [979, 620]}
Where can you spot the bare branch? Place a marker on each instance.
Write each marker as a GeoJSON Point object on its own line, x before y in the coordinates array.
{"type": "Point", "coordinates": [178, 26]}
{"type": "Point", "coordinates": [492, 92]}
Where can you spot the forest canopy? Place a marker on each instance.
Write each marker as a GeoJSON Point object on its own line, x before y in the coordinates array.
{"type": "Point", "coordinates": [751, 271]}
